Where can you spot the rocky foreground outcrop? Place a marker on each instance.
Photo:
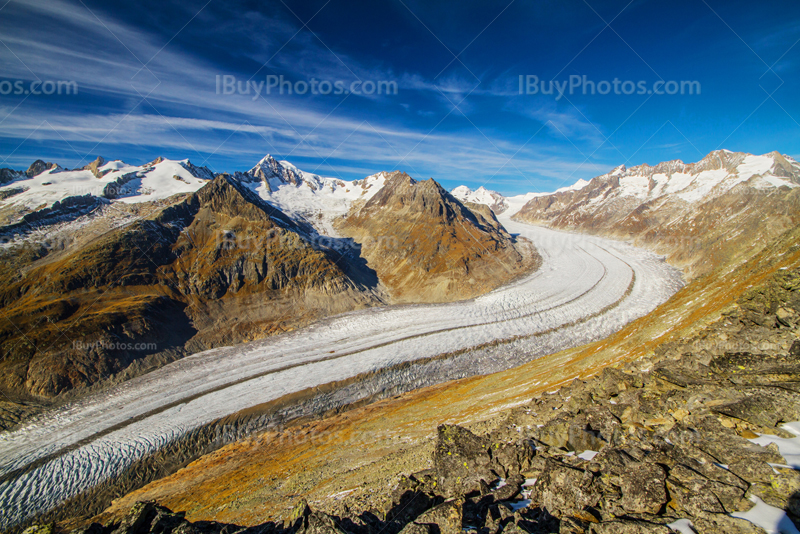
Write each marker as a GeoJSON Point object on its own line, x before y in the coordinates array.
{"type": "Point", "coordinates": [632, 450]}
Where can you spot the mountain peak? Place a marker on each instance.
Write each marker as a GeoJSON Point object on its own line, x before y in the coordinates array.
{"type": "Point", "coordinates": [271, 170]}
{"type": "Point", "coordinates": [94, 167]}
{"type": "Point", "coordinates": [496, 202]}
{"type": "Point", "coordinates": [403, 191]}
{"type": "Point", "coordinates": [39, 166]}
{"type": "Point", "coordinates": [426, 245]}
{"type": "Point", "coordinates": [268, 159]}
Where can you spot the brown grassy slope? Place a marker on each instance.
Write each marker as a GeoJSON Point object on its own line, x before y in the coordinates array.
{"type": "Point", "coordinates": [428, 247]}
{"type": "Point", "coordinates": [363, 450]}
{"type": "Point", "coordinates": [211, 269]}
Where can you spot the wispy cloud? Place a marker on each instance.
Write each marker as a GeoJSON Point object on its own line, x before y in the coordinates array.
{"type": "Point", "coordinates": [172, 103]}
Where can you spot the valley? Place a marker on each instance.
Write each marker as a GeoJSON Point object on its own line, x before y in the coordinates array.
{"type": "Point", "coordinates": [586, 288]}
{"type": "Point", "coordinates": [418, 291]}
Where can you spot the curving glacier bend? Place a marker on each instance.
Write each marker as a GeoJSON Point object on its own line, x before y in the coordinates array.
{"type": "Point", "coordinates": [586, 288]}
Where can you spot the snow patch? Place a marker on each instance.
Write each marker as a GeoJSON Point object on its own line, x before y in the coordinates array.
{"type": "Point", "coordinates": [788, 447]}
{"type": "Point", "coordinates": [684, 526]}
{"type": "Point", "coordinates": [773, 520]}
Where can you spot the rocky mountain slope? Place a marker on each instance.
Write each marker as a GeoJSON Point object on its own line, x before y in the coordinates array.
{"type": "Point", "coordinates": [216, 266]}
{"type": "Point", "coordinates": [426, 246]}
{"type": "Point", "coordinates": [688, 439]}
{"type": "Point", "coordinates": [344, 462]}
{"type": "Point", "coordinates": [113, 269]}
{"type": "Point", "coordinates": [700, 215]}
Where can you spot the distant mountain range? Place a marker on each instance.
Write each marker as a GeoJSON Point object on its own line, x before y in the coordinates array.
{"type": "Point", "coordinates": [700, 215]}
{"type": "Point", "coordinates": [100, 259]}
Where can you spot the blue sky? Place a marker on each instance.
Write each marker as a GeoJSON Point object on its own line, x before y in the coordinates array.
{"type": "Point", "coordinates": [147, 76]}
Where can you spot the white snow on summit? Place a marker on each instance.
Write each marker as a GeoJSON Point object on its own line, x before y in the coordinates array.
{"type": "Point", "coordinates": [493, 199]}
{"type": "Point", "coordinates": [577, 186]}
{"type": "Point", "coordinates": [502, 204]}
{"type": "Point", "coordinates": [317, 199]}
{"type": "Point", "coordinates": [125, 183]}
{"type": "Point", "coordinates": [716, 174]}
{"type": "Point", "coordinates": [320, 200]}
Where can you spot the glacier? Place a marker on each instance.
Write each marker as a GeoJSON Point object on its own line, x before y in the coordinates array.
{"type": "Point", "coordinates": [586, 288]}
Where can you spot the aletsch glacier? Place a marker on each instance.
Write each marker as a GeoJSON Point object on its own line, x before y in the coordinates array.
{"type": "Point", "coordinates": [587, 288]}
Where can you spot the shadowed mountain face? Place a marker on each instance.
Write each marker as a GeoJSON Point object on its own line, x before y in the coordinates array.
{"type": "Point", "coordinates": [700, 215]}
{"type": "Point", "coordinates": [214, 267]}
{"type": "Point", "coordinates": [426, 246]}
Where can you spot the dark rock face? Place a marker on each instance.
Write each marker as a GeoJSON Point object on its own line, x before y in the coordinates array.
{"type": "Point", "coordinates": [8, 175]}
{"type": "Point", "coordinates": [38, 167]}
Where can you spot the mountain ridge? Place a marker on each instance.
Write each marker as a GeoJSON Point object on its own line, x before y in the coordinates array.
{"type": "Point", "coordinates": [717, 204]}
{"type": "Point", "coordinates": [225, 265]}
{"type": "Point", "coordinates": [779, 166]}
{"type": "Point", "coordinates": [173, 255]}
{"type": "Point", "coordinates": [426, 246]}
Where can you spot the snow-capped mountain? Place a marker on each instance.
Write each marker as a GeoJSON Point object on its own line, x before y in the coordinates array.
{"type": "Point", "coordinates": [44, 184]}
{"type": "Point", "coordinates": [493, 199]}
{"type": "Point", "coordinates": [577, 186]}
{"type": "Point", "coordinates": [681, 208]}
{"type": "Point", "coordinates": [499, 203]}
{"type": "Point", "coordinates": [303, 195]}
{"type": "Point", "coordinates": [714, 175]}
{"type": "Point", "coordinates": [275, 174]}
{"type": "Point", "coordinates": [622, 190]}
